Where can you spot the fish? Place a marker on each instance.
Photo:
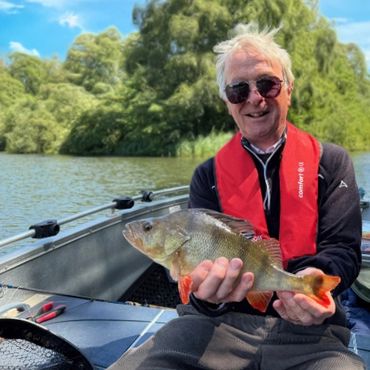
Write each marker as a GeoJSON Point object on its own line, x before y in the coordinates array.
{"type": "Point", "coordinates": [179, 241]}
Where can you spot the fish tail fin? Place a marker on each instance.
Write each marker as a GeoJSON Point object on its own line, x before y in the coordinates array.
{"type": "Point", "coordinates": [184, 284]}
{"type": "Point", "coordinates": [321, 285]}
{"type": "Point", "coordinates": [259, 300]}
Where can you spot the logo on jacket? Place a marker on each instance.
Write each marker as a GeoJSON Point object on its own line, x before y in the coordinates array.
{"type": "Point", "coordinates": [300, 179]}
{"type": "Point", "coordinates": [343, 184]}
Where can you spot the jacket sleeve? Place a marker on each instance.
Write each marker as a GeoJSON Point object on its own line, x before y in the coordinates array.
{"type": "Point", "coordinates": [339, 226]}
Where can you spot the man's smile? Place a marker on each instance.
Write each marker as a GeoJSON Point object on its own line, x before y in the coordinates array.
{"type": "Point", "coordinates": [257, 114]}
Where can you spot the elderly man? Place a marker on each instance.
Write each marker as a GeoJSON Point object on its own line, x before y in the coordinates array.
{"type": "Point", "coordinates": [290, 187]}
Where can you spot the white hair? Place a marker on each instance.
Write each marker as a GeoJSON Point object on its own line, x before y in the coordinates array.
{"type": "Point", "coordinates": [248, 37]}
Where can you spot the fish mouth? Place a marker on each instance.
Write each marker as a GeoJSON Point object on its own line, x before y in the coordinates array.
{"type": "Point", "coordinates": [129, 234]}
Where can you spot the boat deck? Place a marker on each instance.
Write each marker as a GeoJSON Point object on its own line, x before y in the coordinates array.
{"type": "Point", "coordinates": [101, 330]}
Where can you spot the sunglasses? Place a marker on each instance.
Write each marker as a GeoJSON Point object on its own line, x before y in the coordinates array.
{"type": "Point", "coordinates": [267, 87]}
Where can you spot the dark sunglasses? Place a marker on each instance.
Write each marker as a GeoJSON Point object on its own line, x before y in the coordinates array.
{"type": "Point", "coordinates": [267, 87]}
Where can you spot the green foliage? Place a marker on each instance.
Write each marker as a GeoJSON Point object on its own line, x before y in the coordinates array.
{"type": "Point", "coordinates": [67, 102]}
{"type": "Point", "coordinates": [10, 89]}
{"type": "Point", "coordinates": [155, 93]}
{"type": "Point", "coordinates": [202, 146]}
{"type": "Point", "coordinates": [29, 70]}
{"type": "Point", "coordinates": [30, 128]}
{"type": "Point", "coordinates": [95, 59]}
{"type": "Point", "coordinates": [96, 132]}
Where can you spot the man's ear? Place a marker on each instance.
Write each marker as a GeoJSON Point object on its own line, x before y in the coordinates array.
{"type": "Point", "coordinates": [290, 90]}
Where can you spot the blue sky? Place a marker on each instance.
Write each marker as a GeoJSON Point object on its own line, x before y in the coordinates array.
{"type": "Point", "coordinates": [48, 27]}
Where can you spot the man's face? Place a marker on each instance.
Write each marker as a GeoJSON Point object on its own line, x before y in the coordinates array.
{"type": "Point", "coordinates": [260, 120]}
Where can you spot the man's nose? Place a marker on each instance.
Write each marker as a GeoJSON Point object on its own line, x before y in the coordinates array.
{"type": "Point", "coordinates": [254, 96]}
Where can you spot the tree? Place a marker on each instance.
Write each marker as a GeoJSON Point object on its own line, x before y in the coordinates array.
{"type": "Point", "coordinates": [11, 89]}
{"type": "Point", "coordinates": [95, 59]}
{"type": "Point", "coordinates": [146, 94]}
{"type": "Point", "coordinates": [96, 132]}
{"type": "Point", "coordinates": [29, 70]}
{"type": "Point", "coordinates": [30, 128]}
{"type": "Point", "coordinates": [66, 102]}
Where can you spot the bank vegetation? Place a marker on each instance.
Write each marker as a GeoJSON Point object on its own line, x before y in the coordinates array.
{"type": "Point", "coordinates": [154, 93]}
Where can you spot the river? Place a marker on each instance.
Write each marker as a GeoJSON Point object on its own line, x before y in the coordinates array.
{"type": "Point", "coordinates": [34, 188]}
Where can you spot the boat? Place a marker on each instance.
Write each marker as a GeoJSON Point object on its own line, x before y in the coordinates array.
{"type": "Point", "coordinates": [75, 294]}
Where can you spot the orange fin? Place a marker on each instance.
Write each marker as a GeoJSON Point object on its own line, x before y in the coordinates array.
{"type": "Point", "coordinates": [184, 284]}
{"type": "Point", "coordinates": [259, 300]}
{"type": "Point", "coordinates": [321, 285]}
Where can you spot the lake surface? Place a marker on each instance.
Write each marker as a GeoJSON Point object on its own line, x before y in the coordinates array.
{"type": "Point", "coordinates": [34, 188]}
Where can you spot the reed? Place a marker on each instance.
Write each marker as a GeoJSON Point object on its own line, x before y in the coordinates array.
{"type": "Point", "coordinates": [202, 146]}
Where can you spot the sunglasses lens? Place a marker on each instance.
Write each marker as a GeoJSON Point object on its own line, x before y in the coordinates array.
{"type": "Point", "coordinates": [237, 93]}
{"type": "Point", "coordinates": [269, 87]}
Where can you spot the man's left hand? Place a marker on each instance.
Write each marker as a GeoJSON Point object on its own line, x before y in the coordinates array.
{"type": "Point", "coordinates": [300, 309]}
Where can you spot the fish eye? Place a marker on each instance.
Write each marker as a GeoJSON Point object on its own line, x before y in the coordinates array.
{"type": "Point", "coordinates": [147, 226]}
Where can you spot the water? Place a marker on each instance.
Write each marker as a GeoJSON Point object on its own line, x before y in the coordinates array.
{"type": "Point", "coordinates": [361, 162]}
{"type": "Point", "coordinates": [34, 188]}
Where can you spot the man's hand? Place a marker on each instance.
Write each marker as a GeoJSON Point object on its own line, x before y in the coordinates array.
{"type": "Point", "coordinates": [301, 309]}
{"type": "Point", "coordinates": [221, 281]}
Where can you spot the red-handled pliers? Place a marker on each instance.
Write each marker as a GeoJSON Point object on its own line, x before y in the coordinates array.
{"type": "Point", "coordinates": [47, 312]}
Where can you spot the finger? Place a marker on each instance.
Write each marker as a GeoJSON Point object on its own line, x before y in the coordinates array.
{"type": "Point", "coordinates": [302, 309]}
{"type": "Point", "coordinates": [232, 274]}
{"type": "Point", "coordinates": [310, 271]}
{"type": "Point", "coordinates": [316, 310]}
{"type": "Point", "coordinates": [241, 290]}
{"type": "Point", "coordinates": [286, 314]}
{"type": "Point", "coordinates": [200, 273]}
{"type": "Point", "coordinates": [208, 288]}
{"type": "Point", "coordinates": [280, 309]}
{"type": "Point", "coordinates": [290, 310]}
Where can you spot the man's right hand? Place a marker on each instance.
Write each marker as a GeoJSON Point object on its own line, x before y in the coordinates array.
{"type": "Point", "coordinates": [221, 281]}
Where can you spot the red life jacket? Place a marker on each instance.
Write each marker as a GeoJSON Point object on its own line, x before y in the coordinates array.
{"type": "Point", "coordinates": [240, 194]}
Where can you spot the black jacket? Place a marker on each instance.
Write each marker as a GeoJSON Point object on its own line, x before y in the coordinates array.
{"type": "Point", "coordinates": [339, 225]}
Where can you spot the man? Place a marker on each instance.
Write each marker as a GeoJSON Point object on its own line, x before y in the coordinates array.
{"type": "Point", "coordinates": [291, 187]}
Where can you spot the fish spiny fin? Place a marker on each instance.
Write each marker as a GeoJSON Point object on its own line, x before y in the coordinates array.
{"type": "Point", "coordinates": [321, 285]}
{"type": "Point", "coordinates": [259, 300]}
{"type": "Point", "coordinates": [273, 247]}
{"type": "Point", "coordinates": [184, 284]}
{"type": "Point", "coordinates": [238, 225]}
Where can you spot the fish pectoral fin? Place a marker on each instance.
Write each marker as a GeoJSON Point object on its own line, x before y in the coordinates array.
{"type": "Point", "coordinates": [259, 300]}
{"type": "Point", "coordinates": [185, 283]}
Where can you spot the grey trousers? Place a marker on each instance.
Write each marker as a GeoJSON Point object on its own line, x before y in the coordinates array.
{"type": "Point", "coordinates": [236, 341]}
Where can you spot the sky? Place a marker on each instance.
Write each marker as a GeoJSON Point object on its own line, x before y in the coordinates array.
{"type": "Point", "coordinates": [47, 28]}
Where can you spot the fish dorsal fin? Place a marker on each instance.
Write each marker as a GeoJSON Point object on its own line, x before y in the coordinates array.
{"type": "Point", "coordinates": [273, 247]}
{"type": "Point", "coordinates": [237, 225]}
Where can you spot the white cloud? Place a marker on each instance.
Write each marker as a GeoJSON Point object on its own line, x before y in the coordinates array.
{"type": "Point", "coordinates": [17, 46]}
{"type": "Point", "coordinates": [70, 20]}
{"type": "Point", "coordinates": [8, 7]}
